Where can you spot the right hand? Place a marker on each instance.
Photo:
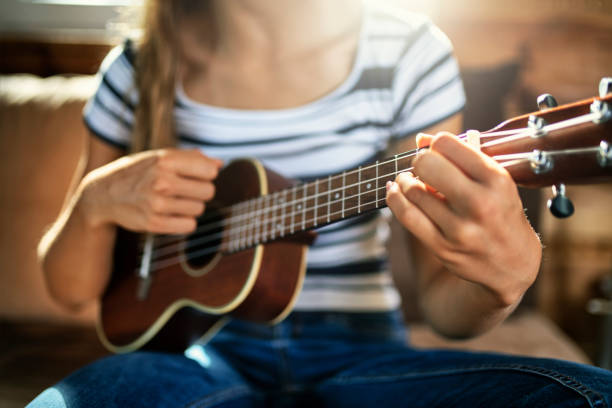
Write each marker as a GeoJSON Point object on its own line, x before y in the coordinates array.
{"type": "Point", "coordinates": [159, 191]}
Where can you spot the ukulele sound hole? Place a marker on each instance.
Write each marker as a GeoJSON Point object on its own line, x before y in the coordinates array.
{"type": "Point", "coordinates": [203, 244]}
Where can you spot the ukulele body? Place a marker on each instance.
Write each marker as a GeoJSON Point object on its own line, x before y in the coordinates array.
{"type": "Point", "coordinates": [189, 300]}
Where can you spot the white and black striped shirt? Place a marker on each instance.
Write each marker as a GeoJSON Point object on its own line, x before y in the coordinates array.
{"type": "Point", "coordinates": [404, 79]}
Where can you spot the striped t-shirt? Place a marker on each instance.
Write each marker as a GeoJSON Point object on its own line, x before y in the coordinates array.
{"type": "Point", "coordinates": [404, 79]}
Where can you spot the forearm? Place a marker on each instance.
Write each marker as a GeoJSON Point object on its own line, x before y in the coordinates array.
{"type": "Point", "coordinates": [75, 255]}
{"type": "Point", "coordinates": [457, 308]}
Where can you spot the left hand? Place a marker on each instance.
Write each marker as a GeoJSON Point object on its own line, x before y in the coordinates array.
{"type": "Point", "coordinates": [465, 208]}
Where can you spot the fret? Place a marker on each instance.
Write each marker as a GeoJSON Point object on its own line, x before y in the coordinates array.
{"type": "Point", "coordinates": [336, 203]}
{"type": "Point", "coordinates": [395, 162]}
{"type": "Point", "coordinates": [249, 218]}
{"type": "Point", "coordinates": [359, 190]}
{"type": "Point", "coordinates": [283, 201]}
{"type": "Point", "coordinates": [298, 213]}
{"type": "Point", "coordinates": [292, 209]}
{"type": "Point", "coordinates": [266, 205]}
{"type": "Point", "coordinates": [257, 220]}
{"type": "Point", "coordinates": [351, 193]}
{"type": "Point", "coordinates": [278, 223]}
{"type": "Point", "coordinates": [343, 185]}
{"type": "Point", "coordinates": [316, 184]}
{"type": "Point", "coordinates": [304, 195]}
{"type": "Point", "coordinates": [322, 201]}
{"type": "Point", "coordinates": [376, 184]}
{"type": "Point", "coordinates": [368, 191]}
{"type": "Point", "coordinates": [328, 196]}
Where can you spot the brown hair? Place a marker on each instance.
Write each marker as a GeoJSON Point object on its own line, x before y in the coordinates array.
{"type": "Point", "coordinates": [157, 60]}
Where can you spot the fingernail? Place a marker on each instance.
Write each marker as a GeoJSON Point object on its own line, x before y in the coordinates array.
{"type": "Point", "coordinates": [388, 185]}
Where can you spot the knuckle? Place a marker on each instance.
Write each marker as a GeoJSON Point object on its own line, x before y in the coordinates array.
{"type": "Point", "coordinates": [161, 184]}
{"type": "Point", "coordinates": [154, 223]}
{"type": "Point", "coordinates": [156, 204]}
{"type": "Point", "coordinates": [165, 160]}
{"type": "Point", "coordinates": [483, 207]}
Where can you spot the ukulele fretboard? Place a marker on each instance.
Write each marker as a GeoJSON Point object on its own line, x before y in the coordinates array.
{"type": "Point", "coordinates": [313, 204]}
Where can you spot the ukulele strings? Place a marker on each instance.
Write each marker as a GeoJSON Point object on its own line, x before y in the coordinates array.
{"type": "Point", "coordinates": [239, 230]}
{"type": "Point", "coordinates": [160, 263]}
{"type": "Point", "coordinates": [510, 135]}
{"type": "Point", "coordinates": [201, 238]}
{"type": "Point", "coordinates": [217, 222]}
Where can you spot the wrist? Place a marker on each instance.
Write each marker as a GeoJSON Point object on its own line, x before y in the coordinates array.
{"type": "Point", "coordinates": [89, 205]}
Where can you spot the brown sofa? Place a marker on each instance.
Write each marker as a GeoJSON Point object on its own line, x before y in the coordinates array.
{"type": "Point", "coordinates": [41, 140]}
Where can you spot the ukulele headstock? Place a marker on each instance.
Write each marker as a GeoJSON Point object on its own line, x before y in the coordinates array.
{"type": "Point", "coordinates": [557, 145]}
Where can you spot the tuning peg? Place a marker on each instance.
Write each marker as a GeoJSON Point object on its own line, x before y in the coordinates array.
{"type": "Point", "coordinates": [604, 154]}
{"type": "Point", "coordinates": [605, 86]}
{"type": "Point", "coordinates": [537, 124]}
{"type": "Point", "coordinates": [546, 101]}
{"type": "Point", "coordinates": [560, 206]}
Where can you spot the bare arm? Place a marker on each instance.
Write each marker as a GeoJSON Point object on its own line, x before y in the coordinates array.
{"type": "Point", "coordinates": [477, 253]}
{"type": "Point", "coordinates": [160, 191]}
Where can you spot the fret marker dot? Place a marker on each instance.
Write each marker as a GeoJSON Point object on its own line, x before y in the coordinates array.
{"type": "Point", "coordinates": [369, 186]}
{"type": "Point", "coordinates": [299, 207]}
{"type": "Point", "coordinates": [337, 195]}
{"type": "Point", "coordinates": [279, 226]}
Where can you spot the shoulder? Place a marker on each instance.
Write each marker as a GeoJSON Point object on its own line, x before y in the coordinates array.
{"type": "Point", "coordinates": [117, 68]}
{"type": "Point", "coordinates": [393, 34]}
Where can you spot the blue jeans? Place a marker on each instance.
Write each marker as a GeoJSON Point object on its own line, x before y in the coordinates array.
{"type": "Point", "coordinates": [327, 360]}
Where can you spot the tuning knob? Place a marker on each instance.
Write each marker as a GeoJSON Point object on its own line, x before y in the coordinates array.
{"type": "Point", "coordinates": [605, 86]}
{"type": "Point", "coordinates": [546, 101]}
{"type": "Point", "coordinates": [560, 206]}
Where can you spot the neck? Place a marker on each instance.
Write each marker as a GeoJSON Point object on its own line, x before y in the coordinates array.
{"type": "Point", "coordinates": [274, 30]}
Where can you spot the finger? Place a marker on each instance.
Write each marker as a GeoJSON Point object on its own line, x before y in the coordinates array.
{"type": "Point", "coordinates": [171, 224]}
{"type": "Point", "coordinates": [430, 204]}
{"type": "Point", "coordinates": [475, 164]}
{"type": "Point", "coordinates": [188, 188]}
{"type": "Point", "coordinates": [445, 177]}
{"type": "Point", "coordinates": [190, 163]}
{"type": "Point", "coordinates": [423, 139]}
{"type": "Point", "coordinates": [177, 206]}
{"type": "Point", "coordinates": [411, 217]}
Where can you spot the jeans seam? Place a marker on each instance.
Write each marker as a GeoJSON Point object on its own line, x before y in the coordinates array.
{"type": "Point", "coordinates": [221, 396]}
{"type": "Point", "coordinates": [594, 398]}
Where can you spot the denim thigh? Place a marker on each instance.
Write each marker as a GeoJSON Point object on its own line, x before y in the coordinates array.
{"type": "Point", "coordinates": [439, 378]}
{"type": "Point", "coordinates": [149, 379]}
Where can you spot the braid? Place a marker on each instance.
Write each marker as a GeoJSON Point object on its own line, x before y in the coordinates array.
{"type": "Point", "coordinates": [156, 74]}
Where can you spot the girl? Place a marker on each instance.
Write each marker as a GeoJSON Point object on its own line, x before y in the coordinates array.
{"type": "Point", "coordinates": [311, 88]}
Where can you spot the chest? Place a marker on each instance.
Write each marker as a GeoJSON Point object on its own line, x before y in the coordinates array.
{"type": "Point", "coordinates": [265, 83]}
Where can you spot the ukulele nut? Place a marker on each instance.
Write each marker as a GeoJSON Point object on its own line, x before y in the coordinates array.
{"type": "Point", "coordinates": [604, 154]}
{"type": "Point", "coordinates": [603, 109]}
{"type": "Point", "coordinates": [541, 162]}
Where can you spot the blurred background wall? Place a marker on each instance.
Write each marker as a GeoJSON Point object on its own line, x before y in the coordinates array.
{"type": "Point", "coordinates": [509, 53]}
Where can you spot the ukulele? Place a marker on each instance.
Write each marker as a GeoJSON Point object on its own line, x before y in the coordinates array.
{"type": "Point", "coordinates": [247, 257]}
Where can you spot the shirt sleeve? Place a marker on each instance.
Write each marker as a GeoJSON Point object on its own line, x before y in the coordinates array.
{"type": "Point", "coordinates": [427, 86]}
{"type": "Point", "coordinates": [109, 113]}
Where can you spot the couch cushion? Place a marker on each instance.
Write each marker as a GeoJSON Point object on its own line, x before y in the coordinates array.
{"type": "Point", "coordinates": [41, 138]}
